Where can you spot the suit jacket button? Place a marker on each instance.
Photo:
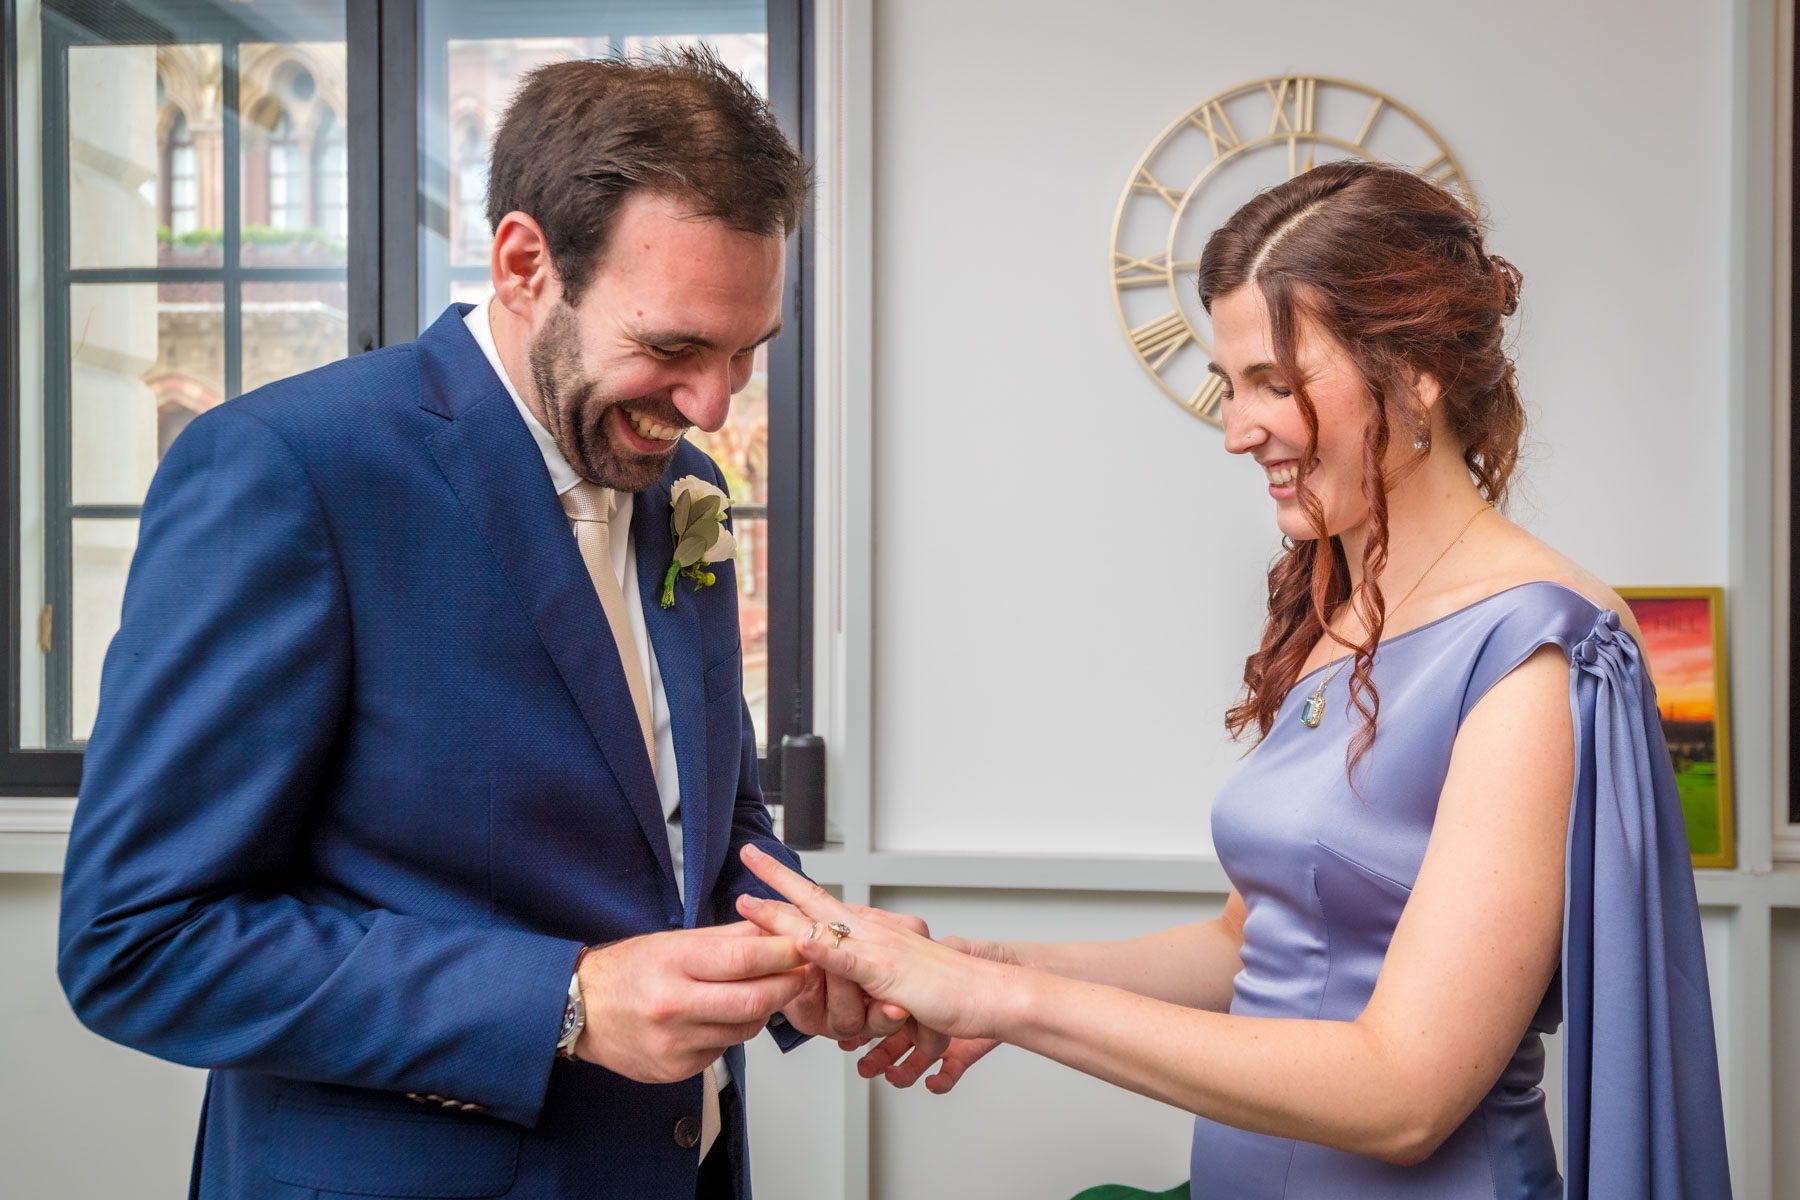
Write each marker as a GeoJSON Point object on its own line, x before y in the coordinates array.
{"type": "Point", "coordinates": [687, 1133]}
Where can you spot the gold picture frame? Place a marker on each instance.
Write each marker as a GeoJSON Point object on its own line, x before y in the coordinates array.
{"type": "Point", "coordinates": [1684, 643]}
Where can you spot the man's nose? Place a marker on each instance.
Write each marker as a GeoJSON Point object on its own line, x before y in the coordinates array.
{"type": "Point", "coordinates": [705, 398]}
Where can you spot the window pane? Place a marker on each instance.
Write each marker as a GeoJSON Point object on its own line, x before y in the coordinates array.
{"type": "Point", "coordinates": [294, 102]}
{"type": "Point", "coordinates": [292, 327]}
{"type": "Point", "coordinates": [137, 351]}
{"type": "Point", "coordinates": [472, 54]}
{"type": "Point", "coordinates": [144, 137]}
{"type": "Point", "coordinates": [136, 182]}
{"type": "Point", "coordinates": [101, 553]}
{"type": "Point", "coordinates": [472, 57]}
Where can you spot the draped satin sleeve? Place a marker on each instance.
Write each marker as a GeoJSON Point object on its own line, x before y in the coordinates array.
{"type": "Point", "coordinates": [1643, 1118]}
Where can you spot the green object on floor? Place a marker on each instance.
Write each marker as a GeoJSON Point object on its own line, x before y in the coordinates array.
{"type": "Point", "coordinates": [1118, 1191]}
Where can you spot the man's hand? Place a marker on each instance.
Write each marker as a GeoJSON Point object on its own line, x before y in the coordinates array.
{"type": "Point", "coordinates": [662, 1006]}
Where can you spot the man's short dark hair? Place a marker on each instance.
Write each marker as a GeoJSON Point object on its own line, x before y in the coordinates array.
{"type": "Point", "coordinates": [582, 136]}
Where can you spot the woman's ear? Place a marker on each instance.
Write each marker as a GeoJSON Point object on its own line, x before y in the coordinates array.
{"type": "Point", "coordinates": [1426, 391]}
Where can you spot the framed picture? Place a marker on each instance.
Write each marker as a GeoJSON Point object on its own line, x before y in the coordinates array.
{"type": "Point", "coordinates": [1684, 639]}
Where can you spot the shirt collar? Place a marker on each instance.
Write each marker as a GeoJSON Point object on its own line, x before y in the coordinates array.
{"type": "Point", "coordinates": [562, 475]}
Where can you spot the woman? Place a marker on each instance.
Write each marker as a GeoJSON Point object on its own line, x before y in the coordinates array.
{"type": "Point", "coordinates": [1364, 1019]}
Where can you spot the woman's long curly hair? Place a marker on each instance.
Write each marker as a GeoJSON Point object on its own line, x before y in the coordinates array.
{"type": "Point", "coordinates": [1392, 269]}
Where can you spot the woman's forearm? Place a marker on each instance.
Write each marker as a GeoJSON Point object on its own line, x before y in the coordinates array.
{"type": "Point", "coordinates": [1190, 965]}
{"type": "Point", "coordinates": [1331, 1082]}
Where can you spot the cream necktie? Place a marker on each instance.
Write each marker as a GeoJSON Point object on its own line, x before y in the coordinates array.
{"type": "Point", "coordinates": [710, 1121]}
{"type": "Point", "coordinates": [590, 506]}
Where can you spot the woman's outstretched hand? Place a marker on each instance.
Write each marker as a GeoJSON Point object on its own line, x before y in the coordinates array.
{"type": "Point", "coordinates": [945, 991]}
{"type": "Point", "coordinates": [902, 1058]}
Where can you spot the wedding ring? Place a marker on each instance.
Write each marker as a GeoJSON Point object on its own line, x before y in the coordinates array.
{"type": "Point", "coordinates": [839, 931]}
{"type": "Point", "coordinates": [812, 932]}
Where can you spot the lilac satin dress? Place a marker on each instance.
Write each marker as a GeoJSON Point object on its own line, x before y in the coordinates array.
{"type": "Point", "coordinates": [1325, 874]}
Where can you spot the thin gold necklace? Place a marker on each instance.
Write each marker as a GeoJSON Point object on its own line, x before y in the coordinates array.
{"type": "Point", "coordinates": [1313, 711]}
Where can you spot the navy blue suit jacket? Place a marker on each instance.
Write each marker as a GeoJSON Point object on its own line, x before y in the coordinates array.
{"type": "Point", "coordinates": [365, 778]}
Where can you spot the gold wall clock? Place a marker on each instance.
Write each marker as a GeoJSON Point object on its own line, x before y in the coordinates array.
{"type": "Point", "coordinates": [1209, 161]}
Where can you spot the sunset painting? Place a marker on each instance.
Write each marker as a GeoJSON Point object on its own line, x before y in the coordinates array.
{"type": "Point", "coordinates": [1684, 641]}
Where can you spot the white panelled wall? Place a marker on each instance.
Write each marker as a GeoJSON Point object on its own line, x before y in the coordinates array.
{"type": "Point", "coordinates": [1021, 688]}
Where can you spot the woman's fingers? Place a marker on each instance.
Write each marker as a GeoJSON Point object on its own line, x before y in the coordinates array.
{"type": "Point", "coordinates": [772, 916]}
{"type": "Point", "coordinates": [809, 897]}
{"type": "Point", "coordinates": [962, 1054]}
{"type": "Point", "coordinates": [886, 1053]}
{"type": "Point", "coordinates": [893, 920]}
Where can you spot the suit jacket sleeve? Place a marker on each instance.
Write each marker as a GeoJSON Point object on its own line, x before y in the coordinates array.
{"type": "Point", "coordinates": [187, 931]}
{"type": "Point", "coordinates": [750, 823]}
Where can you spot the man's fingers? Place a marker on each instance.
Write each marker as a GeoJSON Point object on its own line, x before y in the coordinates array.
{"type": "Point", "coordinates": [744, 1000]}
{"type": "Point", "coordinates": [881, 1019]}
{"type": "Point", "coordinates": [719, 1038]}
{"type": "Point", "coordinates": [723, 959]}
{"type": "Point", "coordinates": [932, 1043]}
{"type": "Point", "coordinates": [846, 1008]}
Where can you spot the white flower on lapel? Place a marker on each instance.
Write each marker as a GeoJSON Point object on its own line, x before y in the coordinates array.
{"type": "Point", "coordinates": [697, 525]}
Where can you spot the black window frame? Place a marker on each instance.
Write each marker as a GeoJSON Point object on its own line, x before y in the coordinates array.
{"type": "Point", "coordinates": [1793, 474]}
{"type": "Point", "coordinates": [383, 145]}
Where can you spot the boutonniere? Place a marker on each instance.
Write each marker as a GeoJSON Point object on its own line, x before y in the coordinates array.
{"type": "Point", "coordinates": [698, 526]}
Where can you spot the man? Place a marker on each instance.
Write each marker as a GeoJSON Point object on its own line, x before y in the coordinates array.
{"type": "Point", "coordinates": [411, 810]}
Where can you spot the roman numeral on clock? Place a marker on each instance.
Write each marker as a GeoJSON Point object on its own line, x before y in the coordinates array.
{"type": "Point", "coordinates": [1439, 170]}
{"type": "Point", "coordinates": [1158, 340]}
{"type": "Point", "coordinates": [1212, 121]}
{"type": "Point", "coordinates": [1293, 100]}
{"type": "Point", "coordinates": [1205, 401]}
{"type": "Point", "coordinates": [1129, 272]}
{"type": "Point", "coordinates": [1146, 182]}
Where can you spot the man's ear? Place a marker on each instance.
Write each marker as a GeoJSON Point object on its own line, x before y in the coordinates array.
{"type": "Point", "coordinates": [524, 278]}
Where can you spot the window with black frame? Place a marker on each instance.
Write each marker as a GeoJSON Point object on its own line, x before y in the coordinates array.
{"type": "Point", "coordinates": [184, 180]}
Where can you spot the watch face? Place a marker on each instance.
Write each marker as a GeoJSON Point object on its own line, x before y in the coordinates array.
{"type": "Point", "coordinates": [1205, 165]}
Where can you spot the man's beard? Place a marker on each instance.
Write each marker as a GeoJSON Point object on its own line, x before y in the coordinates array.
{"type": "Point", "coordinates": [575, 410]}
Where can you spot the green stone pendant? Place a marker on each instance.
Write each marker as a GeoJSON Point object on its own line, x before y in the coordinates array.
{"type": "Point", "coordinates": [1313, 710]}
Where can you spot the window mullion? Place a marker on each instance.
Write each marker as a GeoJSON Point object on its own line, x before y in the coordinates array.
{"type": "Point", "coordinates": [232, 177]}
{"type": "Point", "coordinates": [59, 583]}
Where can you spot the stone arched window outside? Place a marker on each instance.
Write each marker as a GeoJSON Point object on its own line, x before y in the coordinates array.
{"type": "Point", "coordinates": [330, 176]}
{"type": "Point", "coordinates": [288, 192]}
{"type": "Point", "coordinates": [181, 185]}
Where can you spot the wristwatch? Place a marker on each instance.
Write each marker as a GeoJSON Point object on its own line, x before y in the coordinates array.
{"type": "Point", "coordinates": [574, 1018]}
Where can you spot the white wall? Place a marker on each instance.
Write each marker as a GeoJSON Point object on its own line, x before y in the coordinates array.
{"type": "Point", "coordinates": [80, 1118]}
{"type": "Point", "coordinates": [1067, 695]}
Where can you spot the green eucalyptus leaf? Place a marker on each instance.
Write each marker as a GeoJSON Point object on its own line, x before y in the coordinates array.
{"type": "Point", "coordinates": [683, 508]}
{"type": "Point", "coordinates": [692, 549]}
{"type": "Point", "coordinates": [705, 509]}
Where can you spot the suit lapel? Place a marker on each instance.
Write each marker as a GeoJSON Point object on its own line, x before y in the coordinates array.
{"type": "Point", "coordinates": [497, 473]}
{"type": "Point", "coordinates": [675, 640]}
